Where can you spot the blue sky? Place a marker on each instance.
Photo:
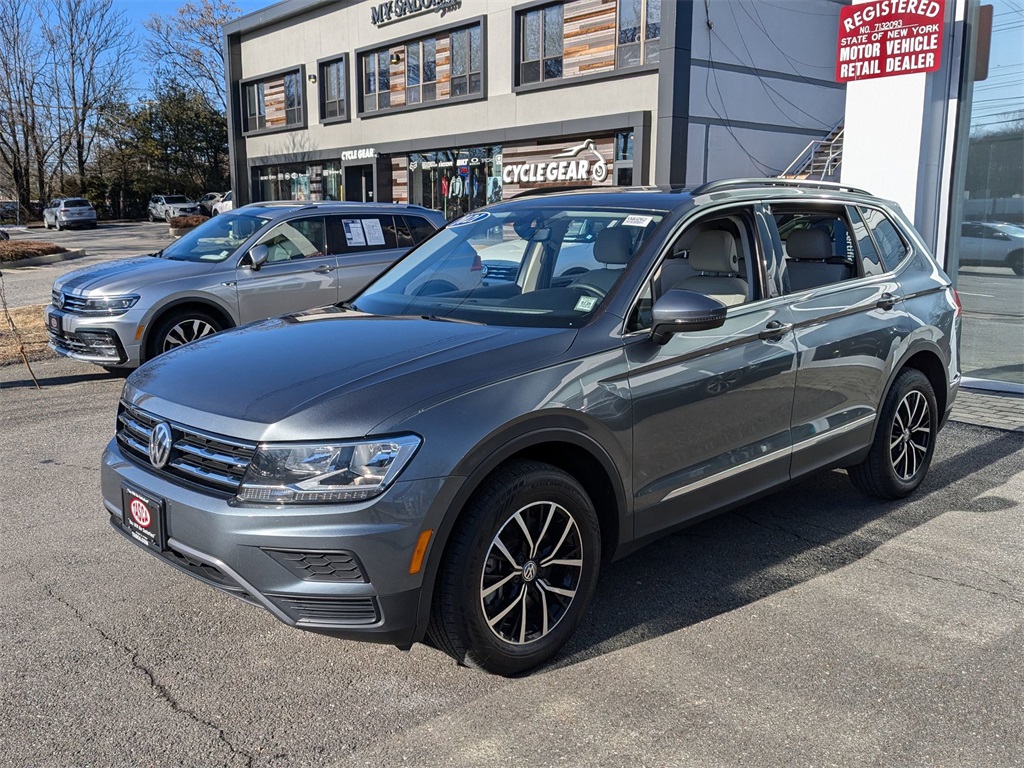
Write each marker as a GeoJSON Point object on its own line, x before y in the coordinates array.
{"type": "Point", "coordinates": [1000, 99]}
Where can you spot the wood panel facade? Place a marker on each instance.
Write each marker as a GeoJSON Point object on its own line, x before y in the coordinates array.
{"type": "Point", "coordinates": [588, 37]}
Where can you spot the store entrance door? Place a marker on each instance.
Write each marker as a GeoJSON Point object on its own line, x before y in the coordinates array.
{"type": "Point", "coordinates": [359, 183]}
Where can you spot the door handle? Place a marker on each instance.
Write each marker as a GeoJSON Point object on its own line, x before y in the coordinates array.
{"type": "Point", "coordinates": [775, 330]}
{"type": "Point", "coordinates": [886, 301]}
{"type": "Point", "coordinates": [323, 269]}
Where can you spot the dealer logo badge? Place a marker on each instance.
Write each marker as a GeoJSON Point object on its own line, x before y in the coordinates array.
{"type": "Point", "coordinates": [160, 445]}
{"type": "Point", "coordinates": [140, 513]}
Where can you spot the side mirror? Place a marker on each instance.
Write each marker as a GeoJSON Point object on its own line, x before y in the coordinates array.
{"type": "Point", "coordinates": [257, 257]}
{"type": "Point", "coordinates": [680, 311]}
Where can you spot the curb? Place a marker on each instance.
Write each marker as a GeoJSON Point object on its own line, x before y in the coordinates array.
{"type": "Point", "coordinates": [50, 258]}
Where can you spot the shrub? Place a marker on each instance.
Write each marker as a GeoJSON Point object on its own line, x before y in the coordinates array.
{"type": "Point", "coordinates": [16, 250]}
{"type": "Point", "coordinates": [184, 222]}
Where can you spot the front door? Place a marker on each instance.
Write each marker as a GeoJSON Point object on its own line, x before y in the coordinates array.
{"type": "Point", "coordinates": [300, 273]}
{"type": "Point", "coordinates": [712, 408]}
{"type": "Point", "coordinates": [359, 183]}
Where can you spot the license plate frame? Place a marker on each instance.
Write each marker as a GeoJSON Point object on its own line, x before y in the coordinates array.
{"type": "Point", "coordinates": [143, 516]}
{"type": "Point", "coordinates": [55, 321]}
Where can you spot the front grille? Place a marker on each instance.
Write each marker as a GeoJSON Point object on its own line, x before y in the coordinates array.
{"type": "Point", "coordinates": [329, 610]}
{"type": "Point", "coordinates": [337, 566]}
{"type": "Point", "coordinates": [210, 461]}
{"type": "Point", "coordinates": [502, 272]}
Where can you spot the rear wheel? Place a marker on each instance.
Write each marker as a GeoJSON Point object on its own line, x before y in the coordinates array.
{"type": "Point", "coordinates": [1015, 261]}
{"type": "Point", "coordinates": [520, 571]}
{"type": "Point", "coordinates": [180, 329]}
{"type": "Point", "coordinates": [904, 439]}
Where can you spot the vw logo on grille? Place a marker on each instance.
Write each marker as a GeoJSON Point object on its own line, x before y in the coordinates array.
{"type": "Point", "coordinates": [160, 445]}
{"type": "Point", "coordinates": [60, 300]}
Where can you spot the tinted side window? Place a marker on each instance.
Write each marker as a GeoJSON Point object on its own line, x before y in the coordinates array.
{"type": "Point", "coordinates": [886, 237]}
{"type": "Point", "coordinates": [359, 233]}
{"type": "Point", "coordinates": [421, 228]}
{"type": "Point", "coordinates": [817, 243]}
{"type": "Point", "coordinates": [295, 239]}
{"type": "Point", "coordinates": [870, 260]}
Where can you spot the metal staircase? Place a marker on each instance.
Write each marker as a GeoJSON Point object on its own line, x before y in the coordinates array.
{"type": "Point", "coordinates": [820, 160]}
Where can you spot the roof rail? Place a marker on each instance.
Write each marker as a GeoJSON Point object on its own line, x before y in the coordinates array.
{"type": "Point", "coordinates": [725, 184]}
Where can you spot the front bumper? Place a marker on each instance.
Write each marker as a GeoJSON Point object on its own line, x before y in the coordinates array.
{"type": "Point", "coordinates": [108, 341]}
{"type": "Point", "coordinates": [336, 569]}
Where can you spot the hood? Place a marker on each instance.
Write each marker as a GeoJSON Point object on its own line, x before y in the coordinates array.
{"type": "Point", "coordinates": [331, 373]}
{"type": "Point", "coordinates": [114, 278]}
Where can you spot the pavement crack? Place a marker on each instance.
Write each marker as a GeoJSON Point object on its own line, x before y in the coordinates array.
{"type": "Point", "coordinates": [159, 688]}
{"type": "Point", "coordinates": [943, 580]}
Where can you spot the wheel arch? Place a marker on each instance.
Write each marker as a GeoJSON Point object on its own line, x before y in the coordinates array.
{"type": "Point", "coordinates": [180, 305]}
{"type": "Point", "coordinates": [571, 451]}
{"type": "Point", "coordinates": [927, 358]}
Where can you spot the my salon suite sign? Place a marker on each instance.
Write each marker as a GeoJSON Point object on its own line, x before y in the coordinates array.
{"type": "Point", "coordinates": [396, 10]}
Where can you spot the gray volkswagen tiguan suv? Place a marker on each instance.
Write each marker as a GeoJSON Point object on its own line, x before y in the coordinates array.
{"type": "Point", "coordinates": [458, 464]}
{"type": "Point", "coordinates": [262, 260]}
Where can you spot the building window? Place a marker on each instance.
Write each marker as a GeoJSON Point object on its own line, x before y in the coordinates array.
{"type": "Point", "coordinates": [377, 80]}
{"type": "Point", "coordinates": [416, 63]}
{"type": "Point", "coordinates": [467, 61]}
{"type": "Point", "coordinates": [421, 71]}
{"type": "Point", "coordinates": [274, 102]}
{"type": "Point", "coordinates": [334, 89]}
{"type": "Point", "coordinates": [639, 30]}
{"type": "Point", "coordinates": [623, 163]}
{"type": "Point", "coordinates": [541, 43]}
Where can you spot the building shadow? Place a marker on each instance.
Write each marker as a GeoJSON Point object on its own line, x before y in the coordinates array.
{"type": "Point", "coordinates": [809, 529]}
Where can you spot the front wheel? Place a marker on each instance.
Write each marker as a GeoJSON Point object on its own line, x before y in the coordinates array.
{"type": "Point", "coordinates": [181, 329]}
{"type": "Point", "coordinates": [904, 439]}
{"type": "Point", "coordinates": [520, 571]}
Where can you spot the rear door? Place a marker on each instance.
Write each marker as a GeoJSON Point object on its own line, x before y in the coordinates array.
{"type": "Point", "coordinates": [848, 329]}
{"type": "Point", "coordinates": [300, 272]}
{"type": "Point", "coordinates": [366, 244]}
{"type": "Point", "coordinates": [711, 409]}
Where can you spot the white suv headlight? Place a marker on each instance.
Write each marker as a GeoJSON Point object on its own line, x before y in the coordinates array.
{"type": "Point", "coordinates": [317, 473]}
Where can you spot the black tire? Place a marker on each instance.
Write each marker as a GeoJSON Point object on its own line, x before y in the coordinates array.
{"type": "Point", "coordinates": [152, 218]}
{"type": "Point", "coordinates": [533, 607]}
{"type": "Point", "coordinates": [1015, 261]}
{"type": "Point", "coordinates": [178, 329]}
{"type": "Point", "coordinates": [904, 439]}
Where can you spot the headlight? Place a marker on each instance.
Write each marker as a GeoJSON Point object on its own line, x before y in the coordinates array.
{"type": "Point", "coordinates": [108, 304]}
{"type": "Point", "coordinates": [315, 473]}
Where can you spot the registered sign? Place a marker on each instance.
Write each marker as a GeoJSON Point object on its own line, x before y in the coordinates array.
{"type": "Point", "coordinates": [889, 37]}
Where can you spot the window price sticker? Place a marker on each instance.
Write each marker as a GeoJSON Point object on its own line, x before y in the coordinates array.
{"type": "Point", "coordinates": [637, 221]}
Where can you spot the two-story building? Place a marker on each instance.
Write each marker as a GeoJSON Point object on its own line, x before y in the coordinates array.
{"type": "Point", "coordinates": [454, 104]}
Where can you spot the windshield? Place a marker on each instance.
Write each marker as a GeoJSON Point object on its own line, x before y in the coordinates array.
{"type": "Point", "coordinates": [521, 265]}
{"type": "Point", "coordinates": [176, 199]}
{"type": "Point", "coordinates": [215, 239]}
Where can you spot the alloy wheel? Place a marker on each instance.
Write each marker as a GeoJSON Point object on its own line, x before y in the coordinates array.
{"type": "Point", "coordinates": [531, 573]}
{"type": "Point", "coordinates": [911, 435]}
{"type": "Point", "coordinates": [185, 331]}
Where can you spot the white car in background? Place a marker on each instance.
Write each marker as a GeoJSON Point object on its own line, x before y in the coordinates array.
{"type": "Point", "coordinates": [68, 212]}
{"type": "Point", "coordinates": [992, 244]}
{"type": "Point", "coordinates": [223, 205]}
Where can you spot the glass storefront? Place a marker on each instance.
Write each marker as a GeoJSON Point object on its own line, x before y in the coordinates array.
{"type": "Point", "coordinates": [299, 181]}
{"type": "Point", "coordinates": [989, 248]}
{"type": "Point", "coordinates": [455, 181]}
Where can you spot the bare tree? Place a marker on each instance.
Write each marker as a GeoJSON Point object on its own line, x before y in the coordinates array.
{"type": "Point", "coordinates": [190, 44]}
{"type": "Point", "coordinates": [30, 135]}
{"type": "Point", "coordinates": [91, 45]}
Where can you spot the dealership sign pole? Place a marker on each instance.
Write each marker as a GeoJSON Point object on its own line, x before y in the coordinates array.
{"type": "Point", "coordinates": [889, 37]}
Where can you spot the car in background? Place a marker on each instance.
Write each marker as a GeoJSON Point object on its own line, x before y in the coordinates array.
{"type": "Point", "coordinates": [166, 207]}
{"type": "Point", "coordinates": [992, 244]}
{"type": "Point", "coordinates": [460, 466]}
{"type": "Point", "coordinates": [259, 261]}
{"type": "Point", "coordinates": [223, 205]}
{"type": "Point", "coordinates": [69, 213]}
{"type": "Point", "coordinates": [207, 201]}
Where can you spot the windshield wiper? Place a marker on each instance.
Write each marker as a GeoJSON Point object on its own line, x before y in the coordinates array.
{"type": "Point", "coordinates": [445, 319]}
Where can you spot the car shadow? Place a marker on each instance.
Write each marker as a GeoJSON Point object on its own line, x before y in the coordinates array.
{"type": "Point", "coordinates": [809, 529]}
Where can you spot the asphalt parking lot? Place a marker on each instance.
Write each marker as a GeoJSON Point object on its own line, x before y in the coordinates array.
{"type": "Point", "coordinates": [814, 627]}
